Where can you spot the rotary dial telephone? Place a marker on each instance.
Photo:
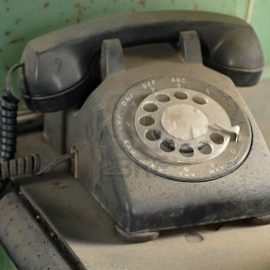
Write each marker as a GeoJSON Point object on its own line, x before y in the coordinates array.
{"type": "Point", "coordinates": [163, 143]}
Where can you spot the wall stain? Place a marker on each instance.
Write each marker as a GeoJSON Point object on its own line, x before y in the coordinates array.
{"type": "Point", "coordinates": [142, 2]}
{"type": "Point", "coordinates": [7, 9]}
{"type": "Point", "coordinates": [195, 5]}
{"type": "Point", "coordinates": [18, 20]}
{"type": "Point", "coordinates": [7, 32]}
{"type": "Point", "coordinates": [16, 40]}
{"type": "Point", "coordinates": [80, 9]}
{"type": "Point", "coordinates": [1, 50]}
{"type": "Point", "coordinates": [7, 67]}
{"type": "Point", "coordinates": [46, 4]}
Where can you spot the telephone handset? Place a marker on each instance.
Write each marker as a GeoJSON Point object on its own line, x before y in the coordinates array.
{"type": "Point", "coordinates": [58, 70]}
{"type": "Point", "coordinates": [161, 144]}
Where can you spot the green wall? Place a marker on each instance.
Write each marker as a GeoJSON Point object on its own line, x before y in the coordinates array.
{"type": "Point", "coordinates": [5, 262]}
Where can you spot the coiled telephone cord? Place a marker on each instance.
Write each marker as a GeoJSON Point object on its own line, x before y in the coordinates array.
{"type": "Point", "coordinates": [10, 166]}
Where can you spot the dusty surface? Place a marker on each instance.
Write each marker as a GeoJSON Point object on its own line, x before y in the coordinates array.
{"type": "Point", "coordinates": [89, 231]}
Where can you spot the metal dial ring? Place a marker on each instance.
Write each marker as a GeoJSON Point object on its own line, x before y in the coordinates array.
{"type": "Point", "coordinates": [166, 148]}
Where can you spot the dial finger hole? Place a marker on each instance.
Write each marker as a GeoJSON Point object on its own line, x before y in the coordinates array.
{"type": "Point", "coordinates": [146, 121]}
{"type": "Point", "coordinates": [217, 138]}
{"type": "Point", "coordinates": [180, 95]}
{"type": "Point", "coordinates": [205, 148]}
{"type": "Point", "coordinates": [153, 135]}
{"type": "Point", "coordinates": [167, 145]}
{"type": "Point", "coordinates": [199, 100]}
{"type": "Point", "coordinates": [186, 150]}
{"type": "Point", "coordinates": [150, 107]}
{"type": "Point", "coordinates": [163, 98]}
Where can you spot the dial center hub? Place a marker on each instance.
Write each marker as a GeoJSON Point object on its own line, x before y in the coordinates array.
{"type": "Point", "coordinates": [185, 122]}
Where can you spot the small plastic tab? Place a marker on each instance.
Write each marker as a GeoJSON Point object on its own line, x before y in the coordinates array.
{"type": "Point", "coordinates": [190, 47]}
{"type": "Point", "coordinates": [111, 59]}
